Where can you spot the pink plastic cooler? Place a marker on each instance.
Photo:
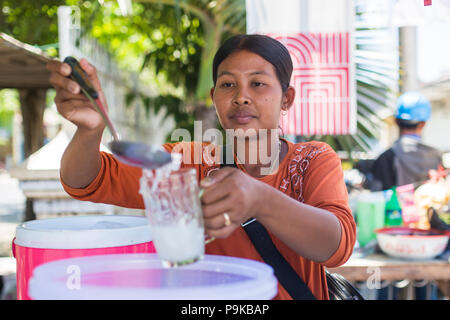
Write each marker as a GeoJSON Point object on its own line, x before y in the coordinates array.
{"type": "Point", "coordinates": [42, 241]}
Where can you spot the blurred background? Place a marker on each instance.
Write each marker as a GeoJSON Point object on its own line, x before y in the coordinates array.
{"type": "Point", "coordinates": [154, 59]}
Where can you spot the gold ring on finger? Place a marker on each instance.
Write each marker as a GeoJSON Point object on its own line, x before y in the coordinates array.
{"type": "Point", "coordinates": [227, 219]}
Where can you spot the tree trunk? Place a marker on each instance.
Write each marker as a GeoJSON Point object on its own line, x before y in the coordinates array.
{"type": "Point", "coordinates": [32, 106]}
{"type": "Point", "coordinates": [207, 115]}
{"type": "Point", "coordinates": [29, 211]}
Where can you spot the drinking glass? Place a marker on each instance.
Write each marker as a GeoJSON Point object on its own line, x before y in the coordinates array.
{"type": "Point", "coordinates": [172, 204]}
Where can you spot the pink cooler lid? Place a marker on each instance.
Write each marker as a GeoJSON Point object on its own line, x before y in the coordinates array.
{"type": "Point", "coordinates": [84, 232]}
{"type": "Point", "coordinates": [141, 277]}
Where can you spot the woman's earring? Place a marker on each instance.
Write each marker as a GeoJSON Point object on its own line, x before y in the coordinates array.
{"type": "Point", "coordinates": [281, 134]}
{"type": "Point", "coordinates": [284, 111]}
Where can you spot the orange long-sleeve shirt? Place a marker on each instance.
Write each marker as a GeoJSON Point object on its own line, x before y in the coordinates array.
{"type": "Point", "coordinates": [311, 173]}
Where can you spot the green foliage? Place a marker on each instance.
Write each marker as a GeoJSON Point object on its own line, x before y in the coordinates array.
{"type": "Point", "coordinates": [173, 106]}
{"type": "Point", "coordinates": [164, 50]}
{"type": "Point", "coordinates": [152, 40]}
{"type": "Point", "coordinates": [176, 52]}
{"type": "Point", "coordinates": [171, 43]}
{"type": "Point", "coordinates": [33, 22]}
{"type": "Point", "coordinates": [9, 104]}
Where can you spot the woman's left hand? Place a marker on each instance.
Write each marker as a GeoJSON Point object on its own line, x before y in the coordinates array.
{"type": "Point", "coordinates": [230, 198]}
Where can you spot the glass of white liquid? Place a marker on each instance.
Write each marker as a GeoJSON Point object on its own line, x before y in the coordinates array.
{"type": "Point", "coordinates": [173, 207]}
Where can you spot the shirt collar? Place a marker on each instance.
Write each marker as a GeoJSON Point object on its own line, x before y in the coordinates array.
{"type": "Point", "coordinates": [412, 135]}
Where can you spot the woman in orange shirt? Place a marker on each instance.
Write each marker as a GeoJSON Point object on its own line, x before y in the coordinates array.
{"type": "Point", "coordinates": [303, 202]}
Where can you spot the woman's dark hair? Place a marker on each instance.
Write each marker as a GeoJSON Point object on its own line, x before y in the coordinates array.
{"type": "Point", "coordinates": [268, 48]}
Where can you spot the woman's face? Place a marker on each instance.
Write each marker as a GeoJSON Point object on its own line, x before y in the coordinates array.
{"type": "Point", "coordinates": [248, 94]}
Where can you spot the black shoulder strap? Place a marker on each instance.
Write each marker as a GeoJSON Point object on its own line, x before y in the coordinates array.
{"type": "Point", "coordinates": [284, 272]}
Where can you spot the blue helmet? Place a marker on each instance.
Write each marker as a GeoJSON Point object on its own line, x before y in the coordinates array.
{"type": "Point", "coordinates": [413, 106]}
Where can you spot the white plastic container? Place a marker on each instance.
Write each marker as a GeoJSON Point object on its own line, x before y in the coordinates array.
{"type": "Point", "coordinates": [83, 232]}
{"type": "Point", "coordinates": [42, 241]}
{"type": "Point", "coordinates": [142, 277]}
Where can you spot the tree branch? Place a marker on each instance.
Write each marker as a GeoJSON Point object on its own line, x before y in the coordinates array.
{"type": "Point", "coordinates": [201, 14]}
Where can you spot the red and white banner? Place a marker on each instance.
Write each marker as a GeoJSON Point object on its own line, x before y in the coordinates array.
{"type": "Point", "coordinates": [317, 34]}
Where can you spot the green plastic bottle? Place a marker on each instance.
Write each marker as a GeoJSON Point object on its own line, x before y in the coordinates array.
{"type": "Point", "coordinates": [393, 211]}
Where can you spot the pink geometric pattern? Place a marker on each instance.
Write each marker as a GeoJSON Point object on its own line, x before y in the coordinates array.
{"type": "Point", "coordinates": [322, 83]}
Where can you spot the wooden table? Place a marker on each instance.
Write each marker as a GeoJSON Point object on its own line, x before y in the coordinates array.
{"type": "Point", "coordinates": [360, 269]}
{"type": "Point", "coordinates": [380, 267]}
{"type": "Point", "coordinates": [23, 174]}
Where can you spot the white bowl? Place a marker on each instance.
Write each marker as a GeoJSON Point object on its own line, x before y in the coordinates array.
{"type": "Point", "coordinates": [410, 243]}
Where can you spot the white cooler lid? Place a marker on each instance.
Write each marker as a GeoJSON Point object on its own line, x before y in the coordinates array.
{"type": "Point", "coordinates": [140, 276]}
{"type": "Point", "coordinates": [84, 232]}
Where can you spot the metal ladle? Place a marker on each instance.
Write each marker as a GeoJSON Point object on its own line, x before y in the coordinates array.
{"type": "Point", "coordinates": [133, 153]}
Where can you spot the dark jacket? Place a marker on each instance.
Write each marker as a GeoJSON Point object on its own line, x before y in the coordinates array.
{"type": "Point", "coordinates": [407, 161]}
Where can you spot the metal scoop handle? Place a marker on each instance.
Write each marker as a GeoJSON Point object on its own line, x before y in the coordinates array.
{"type": "Point", "coordinates": [79, 76]}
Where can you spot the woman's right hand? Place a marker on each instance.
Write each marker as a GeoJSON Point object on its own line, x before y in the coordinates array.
{"type": "Point", "coordinates": [71, 103]}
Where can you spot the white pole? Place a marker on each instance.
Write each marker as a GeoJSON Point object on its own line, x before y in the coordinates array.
{"type": "Point", "coordinates": [408, 58]}
{"type": "Point", "coordinates": [64, 25]}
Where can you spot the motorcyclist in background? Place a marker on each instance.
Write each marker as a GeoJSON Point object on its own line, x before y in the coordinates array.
{"type": "Point", "coordinates": [409, 159]}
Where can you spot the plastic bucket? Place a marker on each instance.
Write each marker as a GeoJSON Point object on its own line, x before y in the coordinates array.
{"type": "Point", "coordinates": [142, 277]}
{"type": "Point", "coordinates": [42, 241]}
